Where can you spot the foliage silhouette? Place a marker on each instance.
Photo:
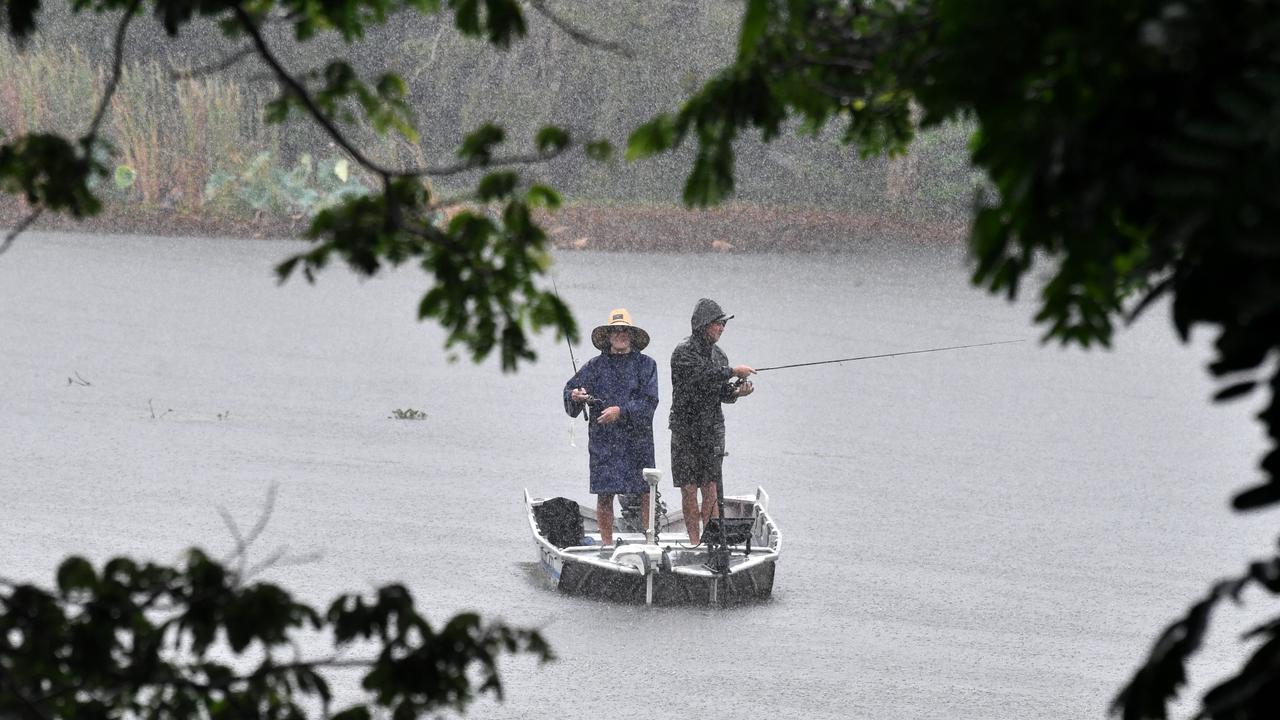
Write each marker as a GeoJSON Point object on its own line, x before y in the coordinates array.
{"type": "Point", "coordinates": [134, 639]}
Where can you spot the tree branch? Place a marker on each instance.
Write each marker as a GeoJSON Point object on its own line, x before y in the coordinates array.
{"type": "Point", "coordinates": [294, 86]}
{"type": "Point", "coordinates": [326, 123]}
{"type": "Point", "coordinates": [533, 158]}
{"type": "Point", "coordinates": [20, 228]}
{"type": "Point", "coordinates": [582, 37]}
{"type": "Point", "coordinates": [117, 67]}
{"type": "Point", "coordinates": [217, 67]}
{"type": "Point", "coordinates": [243, 541]}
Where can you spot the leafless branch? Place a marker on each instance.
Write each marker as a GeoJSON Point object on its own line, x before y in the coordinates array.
{"type": "Point", "coordinates": [20, 228]}
{"type": "Point", "coordinates": [278, 559]}
{"type": "Point", "coordinates": [117, 67]}
{"type": "Point", "coordinates": [533, 158]}
{"type": "Point", "coordinates": [244, 540]}
{"type": "Point", "coordinates": [860, 64]}
{"type": "Point", "coordinates": [217, 67]}
{"type": "Point", "coordinates": [579, 35]}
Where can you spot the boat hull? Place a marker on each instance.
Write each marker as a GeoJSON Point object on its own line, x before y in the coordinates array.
{"type": "Point", "coordinates": [672, 573]}
{"type": "Point", "coordinates": [752, 584]}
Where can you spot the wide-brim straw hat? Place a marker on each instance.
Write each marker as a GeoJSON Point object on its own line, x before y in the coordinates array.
{"type": "Point", "coordinates": [619, 318]}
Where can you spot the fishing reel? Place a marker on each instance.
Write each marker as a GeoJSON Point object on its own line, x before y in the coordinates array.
{"type": "Point", "coordinates": [590, 402]}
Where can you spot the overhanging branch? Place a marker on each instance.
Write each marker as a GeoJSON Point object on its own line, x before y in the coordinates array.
{"type": "Point", "coordinates": [217, 67]}
{"type": "Point", "coordinates": [579, 35]}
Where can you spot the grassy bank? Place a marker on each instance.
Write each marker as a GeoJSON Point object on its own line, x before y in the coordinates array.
{"type": "Point", "coordinates": [193, 156]}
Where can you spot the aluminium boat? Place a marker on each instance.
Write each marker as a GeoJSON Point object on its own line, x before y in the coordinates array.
{"type": "Point", "coordinates": [735, 562]}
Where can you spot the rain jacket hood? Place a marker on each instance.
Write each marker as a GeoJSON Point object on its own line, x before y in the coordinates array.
{"type": "Point", "coordinates": [706, 312]}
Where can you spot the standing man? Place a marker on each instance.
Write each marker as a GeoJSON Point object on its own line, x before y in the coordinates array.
{"type": "Point", "coordinates": [618, 389]}
{"type": "Point", "coordinates": [700, 382]}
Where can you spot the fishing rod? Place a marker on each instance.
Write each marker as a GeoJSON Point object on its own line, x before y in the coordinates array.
{"type": "Point", "coordinates": [568, 344]}
{"type": "Point", "coordinates": [586, 414]}
{"type": "Point", "coordinates": [885, 355]}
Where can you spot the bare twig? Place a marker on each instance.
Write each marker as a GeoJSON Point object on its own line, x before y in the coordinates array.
{"type": "Point", "coordinates": [217, 67]}
{"type": "Point", "coordinates": [860, 64]}
{"type": "Point", "coordinates": [579, 35]}
{"type": "Point", "coordinates": [117, 68]}
{"type": "Point", "coordinates": [20, 228]}
{"type": "Point", "coordinates": [244, 540]}
{"type": "Point", "coordinates": [236, 536]}
{"type": "Point", "coordinates": [533, 158]}
{"type": "Point", "coordinates": [281, 558]}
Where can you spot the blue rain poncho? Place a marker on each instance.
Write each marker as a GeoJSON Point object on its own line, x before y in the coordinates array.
{"type": "Point", "coordinates": [621, 450]}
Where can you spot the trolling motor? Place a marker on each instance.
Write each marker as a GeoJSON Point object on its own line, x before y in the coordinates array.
{"type": "Point", "coordinates": [722, 533]}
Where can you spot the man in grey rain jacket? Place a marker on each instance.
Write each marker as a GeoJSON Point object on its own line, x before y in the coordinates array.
{"type": "Point", "coordinates": [700, 382]}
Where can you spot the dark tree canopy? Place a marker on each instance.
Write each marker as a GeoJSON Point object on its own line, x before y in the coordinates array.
{"type": "Point", "coordinates": [202, 639]}
{"type": "Point", "coordinates": [1132, 146]}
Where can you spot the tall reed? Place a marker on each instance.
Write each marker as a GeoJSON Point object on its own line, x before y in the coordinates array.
{"type": "Point", "coordinates": [172, 133]}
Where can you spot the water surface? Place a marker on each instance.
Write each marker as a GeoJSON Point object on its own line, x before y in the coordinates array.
{"type": "Point", "coordinates": [988, 533]}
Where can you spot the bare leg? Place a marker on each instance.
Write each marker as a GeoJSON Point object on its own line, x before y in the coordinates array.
{"type": "Point", "coordinates": [644, 511]}
{"type": "Point", "coordinates": [604, 517]}
{"type": "Point", "coordinates": [710, 508]}
{"type": "Point", "coordinates": [692, 519]}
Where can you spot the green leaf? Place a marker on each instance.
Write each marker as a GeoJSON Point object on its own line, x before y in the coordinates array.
{"type": "Point", "coordinates": [753, 26]}
{"type": "Point", "coordinates": [601, 150]}
{"type": "Point", "coordinates": [75, 573]}
{"type": "Point", "coordinates": [551, 139]}
{"type": "Point", "coordinates": [124, 177]}
{"type": "Point", "coordinates": [651, 138]}
{"type": "Point", "coordinates": [392, 86]}
{"type": "Point", "coordinates": [497, 185]}
{"type": "Point", "coordinates": [477, 146]}
{"type": "Point", "coordinates": [542, 195]}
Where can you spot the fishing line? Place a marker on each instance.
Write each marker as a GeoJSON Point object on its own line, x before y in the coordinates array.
{"type": "Point", "coordinates": [586, 415]}
{"type": "Point", "coordinates": [884, 355]}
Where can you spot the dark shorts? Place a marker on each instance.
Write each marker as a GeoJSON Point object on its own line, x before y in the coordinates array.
{"type": "Point", "coordinates": [696, 460]}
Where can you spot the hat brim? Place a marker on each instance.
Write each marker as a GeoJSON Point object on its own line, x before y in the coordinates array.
{"type": "Point", "coordinates": [725, 318]}
{"type": "Point", "coordinates": [600, 337]}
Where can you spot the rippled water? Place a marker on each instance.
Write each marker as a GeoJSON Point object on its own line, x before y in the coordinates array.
{"type": "Point", "coordinates": [987, 533]}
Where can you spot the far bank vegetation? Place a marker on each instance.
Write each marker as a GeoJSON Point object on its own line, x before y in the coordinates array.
{"type": "Point", "coordinates": [196, 148]}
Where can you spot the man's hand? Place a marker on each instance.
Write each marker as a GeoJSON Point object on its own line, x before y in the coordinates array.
{"type": "Point", "coordinates": [742, 371]}
{"type": "Point", "coordinates": [744, 388]}
{"type": "Point", "coordinates": [579, 395]}
{"type": "Point", "coordinates": [609, 414]}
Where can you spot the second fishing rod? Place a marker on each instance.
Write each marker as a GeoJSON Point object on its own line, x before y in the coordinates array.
{"type": "Point", "coordinates": [880, 355]}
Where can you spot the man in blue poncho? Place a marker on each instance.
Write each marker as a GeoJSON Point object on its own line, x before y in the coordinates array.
{"type": "Point", "coordinates": [618, 389]}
